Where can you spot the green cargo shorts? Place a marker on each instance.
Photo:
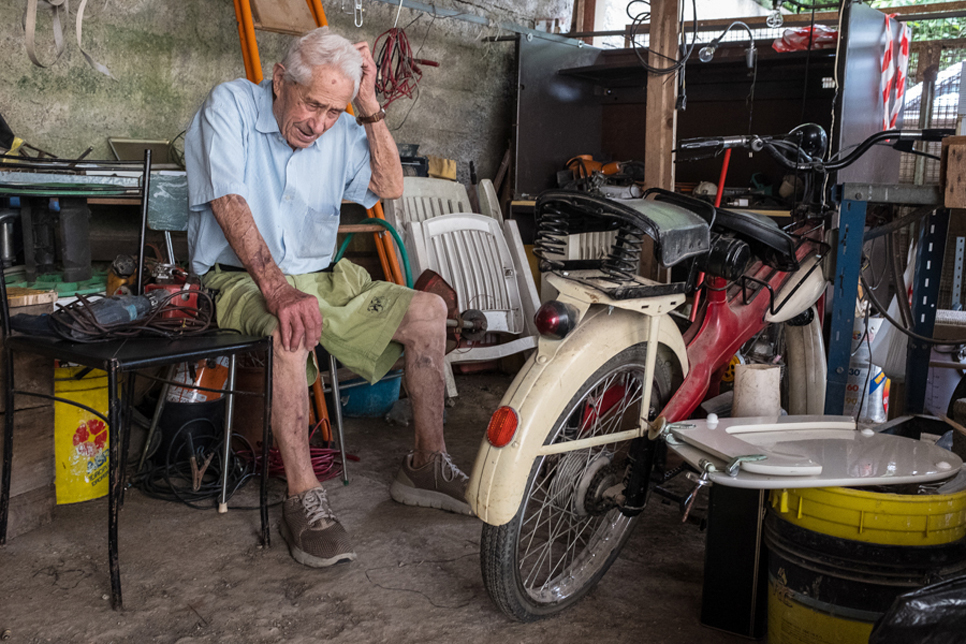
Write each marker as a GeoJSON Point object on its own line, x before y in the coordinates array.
{"type": "Point", "coordinates": [359, 315]}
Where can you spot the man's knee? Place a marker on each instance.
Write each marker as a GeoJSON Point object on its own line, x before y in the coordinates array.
{"type": "Point", "coordinates": [425, 322]}
{"type": "Point", "coordinates": [429, 306]}
{"type": "Point", "coordinates": [283, 357]}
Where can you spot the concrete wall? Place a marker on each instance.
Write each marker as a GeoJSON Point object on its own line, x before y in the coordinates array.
{"type": "Point", "coordinates": [166, 55]}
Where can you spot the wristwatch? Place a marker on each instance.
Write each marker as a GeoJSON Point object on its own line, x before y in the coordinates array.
{"type": "Point", "coordinates": [372, 118]}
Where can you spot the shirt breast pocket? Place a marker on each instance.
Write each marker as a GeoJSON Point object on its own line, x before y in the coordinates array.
{"type": "Point", "coordinates": [318, 234]}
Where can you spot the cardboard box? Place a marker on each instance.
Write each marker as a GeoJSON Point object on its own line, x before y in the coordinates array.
{"type": "Point", "coordinates": [952, 171]}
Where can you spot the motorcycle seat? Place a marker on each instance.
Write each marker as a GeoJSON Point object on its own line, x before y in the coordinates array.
{"type": "Point", "coordinates": [767, 240]}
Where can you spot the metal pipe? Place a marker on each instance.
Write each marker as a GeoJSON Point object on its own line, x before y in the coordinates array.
{"type": "Point", "coordinates": [158, 409]}
{"type": "Point", "coordinates": [337, 404]}
{"type": "Point", "coordinates": [925, 117]}
{"type": "Point", "coordinates": [229, 416]}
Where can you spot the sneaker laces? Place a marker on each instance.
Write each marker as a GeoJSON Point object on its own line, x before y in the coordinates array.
{"type": "Point", "coordinates": [448, 469]}
{"type": "Point", "coordinates": [316, 505]}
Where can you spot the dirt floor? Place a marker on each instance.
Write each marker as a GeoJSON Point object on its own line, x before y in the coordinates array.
{"type": "Point", "coordinates": [198, 576]}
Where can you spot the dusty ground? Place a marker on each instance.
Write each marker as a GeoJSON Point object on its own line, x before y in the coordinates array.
{"type": "Point", "coordinates": [197, 576]}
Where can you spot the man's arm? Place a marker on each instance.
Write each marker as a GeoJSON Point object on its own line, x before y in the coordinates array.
{"type": "Point", "coordinates": [299, 318]}
{"type": "Point", "coordinates": [387, 174]}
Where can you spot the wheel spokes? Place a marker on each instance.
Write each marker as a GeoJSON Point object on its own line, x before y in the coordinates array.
{"type": "Point", "coordinates": [556, 536]}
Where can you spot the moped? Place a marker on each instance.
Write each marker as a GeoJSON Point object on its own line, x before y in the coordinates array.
{"type": "Point", "coordinates": [568, 460]}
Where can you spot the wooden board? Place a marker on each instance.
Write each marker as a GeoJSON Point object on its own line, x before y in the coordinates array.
{"type": "Point", "coordinates": [18, 297]}
{"type": "Point", "coordinates": [33, 450]}
{"type": "Point", "coordinates": [283, 16]}
{"type": "Point", "coordinates": [952, 171]}
{"type": "Point", "coordinates": [31, 510]}
{"type": "Point", "coordinates": [31, 373]}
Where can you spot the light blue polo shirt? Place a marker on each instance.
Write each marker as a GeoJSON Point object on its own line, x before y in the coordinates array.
{"type": "Point", "coordinates": [234, 146]}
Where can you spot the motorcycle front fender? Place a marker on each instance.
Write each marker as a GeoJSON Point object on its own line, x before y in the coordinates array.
{"type": "Point", "coordinates": [541, 390]}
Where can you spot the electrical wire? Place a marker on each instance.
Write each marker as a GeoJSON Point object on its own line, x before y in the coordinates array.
{"type": "Point", "coordinates": [398, 71]}
{"type": "Point", "coordinates": [418, 93]}
{"type": "Point", "coordinates": [168, 317]}
{"type": "Point", "coordinates": [883, 311]}
{"type": "Point", "coordinates": [326, 461]}
{"type": "Point", "coordinates": [192, 468]}
{"type": "Point", "coordinates": [645, 16]}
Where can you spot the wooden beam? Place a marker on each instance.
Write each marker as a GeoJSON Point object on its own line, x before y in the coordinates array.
{"type": "Point", "coordinates": [660, 117]}
{"type": "Point", "coordinates": [584, 14]}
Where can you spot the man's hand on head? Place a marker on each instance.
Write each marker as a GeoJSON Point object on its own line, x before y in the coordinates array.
{"type": "Point", "coordinates": [366, 100]}
{"type": "Point", "coordinates": [299, 318]}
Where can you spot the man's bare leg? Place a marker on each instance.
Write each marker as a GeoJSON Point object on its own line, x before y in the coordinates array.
{"type": "Point", "coordinates": [423, 334]}
{"type": "Point", "coordinates": [427, 478]}
{"type": "Point", "coordinates": [290, 408]}
{"type": "Point", "coordinates": [315, 537]}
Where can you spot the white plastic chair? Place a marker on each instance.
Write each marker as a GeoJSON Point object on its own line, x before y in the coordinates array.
{"type": "Point", "coordinates": [480, 255]}
{"type": "Point", "coordinates": [485, 263]}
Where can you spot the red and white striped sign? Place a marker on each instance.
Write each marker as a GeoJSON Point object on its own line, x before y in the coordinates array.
{"type": "Point", "coordinates": [894, 67]}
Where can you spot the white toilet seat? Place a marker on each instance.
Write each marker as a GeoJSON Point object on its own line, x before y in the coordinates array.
{"type": "Point", "coordinates": [808, 451]}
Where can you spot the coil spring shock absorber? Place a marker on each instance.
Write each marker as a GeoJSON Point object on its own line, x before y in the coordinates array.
{"type": "Point", "coordinates": [551, 239]}
{"type": "Point", "coordinates": [624, 259]}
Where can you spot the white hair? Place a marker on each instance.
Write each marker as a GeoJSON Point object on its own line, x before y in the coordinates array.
{"type": "Point", "coordinates": [321, 47]}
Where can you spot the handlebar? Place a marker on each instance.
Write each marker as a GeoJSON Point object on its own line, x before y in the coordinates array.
{"type": "Point", "coordinates": [790, 153]}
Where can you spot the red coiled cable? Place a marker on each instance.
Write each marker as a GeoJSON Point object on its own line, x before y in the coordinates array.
{"type": "Point", "coordinates": [398, 73]}
{"type": "Point", "coordinates": [326, 462]}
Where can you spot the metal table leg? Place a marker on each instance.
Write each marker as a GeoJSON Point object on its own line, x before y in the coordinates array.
{"type": "Point", "coordinates": [114, 492]}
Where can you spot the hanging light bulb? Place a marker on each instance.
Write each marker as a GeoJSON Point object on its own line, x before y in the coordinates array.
{"type": "Point", "coordinates": [707, 52]}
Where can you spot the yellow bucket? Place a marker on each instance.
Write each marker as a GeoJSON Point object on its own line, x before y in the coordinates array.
{"type": "Point", "coordinates": [80, 437]}
{"type": "Point", "coordinates": [874, 517]}
{"type": "Point", "coordinates": [838, 557]}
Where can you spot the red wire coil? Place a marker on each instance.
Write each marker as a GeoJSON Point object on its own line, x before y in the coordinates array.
{"type": "Point", "coordinates": [398, 74]}
{"type": "Point", "coordinates": [326, 462]}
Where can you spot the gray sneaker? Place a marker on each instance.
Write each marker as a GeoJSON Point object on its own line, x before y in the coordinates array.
{"type": "Point", "coordinates": [438, 484]}
{"type": "Point", "coordinates": [314, 536]}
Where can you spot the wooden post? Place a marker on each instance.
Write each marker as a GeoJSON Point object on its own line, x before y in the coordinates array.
{"type": "Point", "coordinates": [584, 12]}
{"type": "Point", "coordinates": [660, 116]}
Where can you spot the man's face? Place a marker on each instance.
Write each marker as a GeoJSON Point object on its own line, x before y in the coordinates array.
{"type": "Point", "coordinates": [304, 112]}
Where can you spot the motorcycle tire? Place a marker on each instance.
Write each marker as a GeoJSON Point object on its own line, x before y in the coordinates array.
{"type": "Point", "coordinates": [563, 537]}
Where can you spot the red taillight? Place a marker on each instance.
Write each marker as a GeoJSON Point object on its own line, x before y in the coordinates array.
{"type": "Point", "coordinates": [502, 427]}
{"type": "Point", "coordinates": [555, 319]}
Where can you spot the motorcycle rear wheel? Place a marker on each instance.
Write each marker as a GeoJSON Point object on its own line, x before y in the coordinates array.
{"type": "Point", "coordinates": [563, 539]}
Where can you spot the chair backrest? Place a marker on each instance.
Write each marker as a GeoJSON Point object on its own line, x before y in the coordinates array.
{"type": "Point", "coordinates": [424, 198]}
{"type": "Point", "coordinates": [471, 253]}
{"type": "Point", "coordinates": [489, 200]}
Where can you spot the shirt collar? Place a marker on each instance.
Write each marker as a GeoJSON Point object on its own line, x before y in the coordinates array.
{"type": "Point", "coordinates": [266, 122]}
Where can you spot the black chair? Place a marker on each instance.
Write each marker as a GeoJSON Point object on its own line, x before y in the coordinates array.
{"type": "Point", "coordinates": [116, 357]}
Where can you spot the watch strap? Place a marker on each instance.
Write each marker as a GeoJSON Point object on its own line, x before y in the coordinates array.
{"type": "Point", "coordinates": [372, 118]}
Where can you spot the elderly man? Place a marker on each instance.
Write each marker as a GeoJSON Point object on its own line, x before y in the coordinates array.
{"type": "Point", "coordinates": [268, 167]}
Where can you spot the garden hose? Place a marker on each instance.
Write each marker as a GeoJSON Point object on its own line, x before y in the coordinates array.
{"type": "Point", "coordinates": [395, 235]}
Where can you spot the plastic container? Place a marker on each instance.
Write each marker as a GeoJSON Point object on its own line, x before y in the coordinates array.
{"type": "Point", "coordinates": [362, 400]}
{"type": "Point", "coordinates": [866, 382]}
{"type": "Point", "coordinates": [80, 438]}
{"type": "Point", "coordinates": [838, 558]}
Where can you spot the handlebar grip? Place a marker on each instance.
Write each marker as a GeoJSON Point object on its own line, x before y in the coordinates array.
{"type": "Point", "coordinates": [931, 134]}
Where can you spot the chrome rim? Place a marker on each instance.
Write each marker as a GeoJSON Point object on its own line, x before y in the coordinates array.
{"type": "Point", "coordinates": [562, 545]}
